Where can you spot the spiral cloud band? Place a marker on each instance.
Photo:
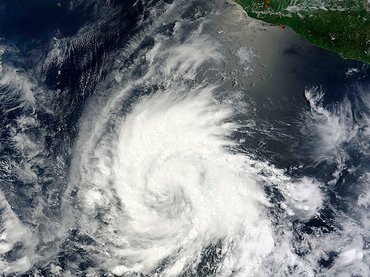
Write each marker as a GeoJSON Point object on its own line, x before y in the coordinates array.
{"type": "Point", "coordinates": [161, 187]}
{"type": "Point", "coordinates": [176, 187]}
{"type": "Point", "coordinates": [180, 188]}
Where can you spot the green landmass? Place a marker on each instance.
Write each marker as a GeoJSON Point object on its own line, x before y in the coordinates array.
{"type": "Point", "coordinates": [342, 26]}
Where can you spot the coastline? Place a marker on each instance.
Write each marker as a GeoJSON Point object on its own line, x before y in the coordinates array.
{"type": "Point", "coordinates": [344, 32]}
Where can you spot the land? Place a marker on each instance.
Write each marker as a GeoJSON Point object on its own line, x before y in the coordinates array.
{"type": "Point", "coordinates": [340, 26]}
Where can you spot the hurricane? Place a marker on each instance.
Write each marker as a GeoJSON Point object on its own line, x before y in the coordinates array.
{"type": "Point", "coordinates": [147, 143]}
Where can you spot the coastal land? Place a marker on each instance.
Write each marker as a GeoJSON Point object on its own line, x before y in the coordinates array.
{"type": "Point", "coordinates": [339, 26]}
